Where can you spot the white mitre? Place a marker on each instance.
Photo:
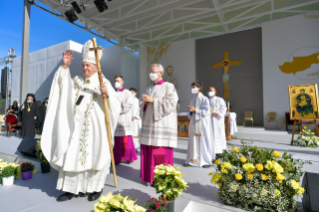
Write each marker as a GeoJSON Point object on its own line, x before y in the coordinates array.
{"type": "Point", "coordinates": [87, 55]}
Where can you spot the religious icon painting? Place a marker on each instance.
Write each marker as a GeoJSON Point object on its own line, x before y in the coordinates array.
{"type": "Point", "coordinates": [303, 102]}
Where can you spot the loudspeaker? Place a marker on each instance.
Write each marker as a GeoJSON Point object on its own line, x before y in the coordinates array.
{"type": "Point", "coordinates": [27, 146]}
{"type": "Point", "coordinates": [4, 76]}
{"type": "Point", "coordinates": [310, 197]}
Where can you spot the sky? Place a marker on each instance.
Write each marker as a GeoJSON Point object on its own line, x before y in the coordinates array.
{"type": "Point", "coordinates": [45, 29]}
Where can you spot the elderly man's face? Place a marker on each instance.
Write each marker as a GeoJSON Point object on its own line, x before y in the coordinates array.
{"type": "Point", "coordinates": [154, 69]}
{"type": "Point", "coordinates": [30, 98]}
{"type": "Point", "coordinates": [89, 69]}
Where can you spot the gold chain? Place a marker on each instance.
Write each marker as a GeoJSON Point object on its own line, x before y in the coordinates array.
{"type": "Point", "coordinates": [29, 107]}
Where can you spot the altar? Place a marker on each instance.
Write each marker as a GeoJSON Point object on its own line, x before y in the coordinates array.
{"type": "Point", "coordinates": [182, 124]}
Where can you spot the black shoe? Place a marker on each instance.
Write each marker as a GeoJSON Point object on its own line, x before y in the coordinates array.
{"type": "Point", "coordinates": [128, 162]}
{"type": "Point", "coordinates": [82, 194]}
{"type": "Point", "coordinates": [206, 166]}
{"type": "Point", "coordinates": [66, 196]}
{"type": "Point", "coordinates": [95, 195]}
{"type": "Point", "coordinates": [186, 164]}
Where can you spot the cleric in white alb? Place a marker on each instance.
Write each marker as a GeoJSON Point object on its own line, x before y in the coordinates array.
{"type": "Point", "coordinates": [136, 119]}
{"type": "Point", "coordinates": [159, 124]}
{"type": "Point", "coordinates": [200, 145]}
{"type": "Point", "coordinates": [218, 110]}
{"type": "Point", "coordinates": [74, 138]}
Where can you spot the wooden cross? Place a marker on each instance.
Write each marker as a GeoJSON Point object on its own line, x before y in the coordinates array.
{"type": "Point", "coordinates": [226, 63]}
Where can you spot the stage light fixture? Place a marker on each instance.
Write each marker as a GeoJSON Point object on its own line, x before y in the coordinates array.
{"type": "Point", "coordinates": [101, 5]}
{"type": "Point", "coordinates": [71, 16]}
{"type": "Point", "coordinates": [76, 7]}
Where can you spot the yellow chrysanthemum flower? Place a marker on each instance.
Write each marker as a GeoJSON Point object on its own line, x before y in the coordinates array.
{"type": "Point", "coordinates": [243, 159]}
{"type": "Point", "coordinates": [216, 177]}
{"type": "Point", "coordinates": [277, 154]}
{"type": "Point", "coordinates": [277, 192]}
{"type": "Point", "coordinates": [223, 170]}
{"type": "Point", "coordinates": [238, 176]}
{"type": "Point", "coordinates": [294, 184]}
{"type": "Point", "coordinates": [280, 177]}
{"type": "Point", "coordinates": [250, 176]}
{"type": "Point", "coordinates": [249, 167]}
{"type": "Point", "coordinates": [244, 186]}
{"type": "Point", "coordinates": [234, 187]}
{"type": "Point", "coordinates": [277, 167]}
{"type": "Point", "coordinates": [264, 177]}
{"type": "Point", "coordinates": [264, 191]}
{"type": "Point", "coordinates": [226, 165]}
{"type": "Point", "coordinates": [219, 184]}
{"type": "Point", "coordinates": [269, 165]}
{"type": "Point", "coordinates": [217, 162]}
{"type": "Point", "coordinates": [259, 167]}
{"type": "Point", "coordinates": [235, 149]}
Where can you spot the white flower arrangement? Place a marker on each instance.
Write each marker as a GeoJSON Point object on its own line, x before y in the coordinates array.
{"type": "Point", "coordinates": [306, 139]}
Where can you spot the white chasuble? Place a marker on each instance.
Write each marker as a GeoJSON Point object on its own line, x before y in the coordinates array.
{"type": "Point", "coordinates": [136, 123]}
{"type": "Point", "coordinates": [74, 138]}
{"type": "Point", "coordinates": [124, 125]}
{"type": "Point", "coordinates": [159, 119]}
{"type": "Point", "coordinates": [200, 144]}
{"type": "Point", "coordinates": [218, 106]}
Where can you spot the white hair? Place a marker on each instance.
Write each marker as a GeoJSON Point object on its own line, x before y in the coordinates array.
{"type": "Point", "coordinates": [159, 67]}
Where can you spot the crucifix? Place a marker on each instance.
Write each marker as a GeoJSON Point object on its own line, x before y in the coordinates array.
{"type": "Point", "coordinates": [225, 64]}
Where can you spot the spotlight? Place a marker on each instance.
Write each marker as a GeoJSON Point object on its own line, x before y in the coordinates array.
{"type": "Point", "coordinates": [101, 5]}
{"type": "Point", "coordinates": [76, 7]}
{"type": "Point", "coordinates": [70, 14]}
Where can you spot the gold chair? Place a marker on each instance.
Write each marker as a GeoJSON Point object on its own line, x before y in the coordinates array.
{"type": "Point", "coordinates": [272, 117]}
{"type": "Point", "coordinates": [249, 117]}
{"type": "Point", "coordinates": [2, 121]}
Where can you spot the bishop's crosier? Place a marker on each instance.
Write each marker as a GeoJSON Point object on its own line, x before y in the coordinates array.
{"type": "Point", "coordinates": [74, 138]}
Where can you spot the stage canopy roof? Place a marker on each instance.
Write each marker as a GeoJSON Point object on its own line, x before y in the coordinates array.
{"type": "Point", "coordinates": [129, 23]}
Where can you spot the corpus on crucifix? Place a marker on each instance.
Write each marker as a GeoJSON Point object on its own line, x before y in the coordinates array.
{"type": "Point", "coordinates": [225, 64]}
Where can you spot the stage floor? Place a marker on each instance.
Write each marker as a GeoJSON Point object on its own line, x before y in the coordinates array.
{"type": "Point", "coordinates": [39, 193]}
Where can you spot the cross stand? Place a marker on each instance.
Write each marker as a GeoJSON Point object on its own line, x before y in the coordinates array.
{"type": "Point", "coordinates": [298, 121]}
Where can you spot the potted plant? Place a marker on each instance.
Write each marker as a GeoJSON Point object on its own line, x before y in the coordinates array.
{"type": "Point", "coordinates": [168, 181]}
{"type": "Point", "coordinates": [7, 175]}
{"type": "Point", "coordinates": [26, 170]}
{"type": "Point", "coordinates": [116, 203]}
{"type": "Point", "coordinates": [155, 205]}
{"type": "Point", "coordinates": [45, 165]}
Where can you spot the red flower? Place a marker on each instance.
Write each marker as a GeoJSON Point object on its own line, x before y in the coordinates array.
{"type": "Point", "coordinates": [23, 164]}
{"type": "Point", "coordinates": [158, 204]}
{"type": "Point", "coordinates": [163, 198]}
{"type": "Point", "coordinates": [164, 203]}
{"type": "Point", "coordinates": [153, 198]}
{"type": "Point", "coordinates": [151, 209]}
{"type": "Point", "coordinates": [27, 167]}
{"type": "Point", "coordinates": [148, 201]}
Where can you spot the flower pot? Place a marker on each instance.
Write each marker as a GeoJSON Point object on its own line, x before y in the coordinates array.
{"type": "Point", "coordinates": [170, 206]}
{"type": "Point", "coordinates": [26, 175]}
{"type": "Point", "coordinates": [45, 168]}
{"type": "Point", "coordinates": [7, 181]}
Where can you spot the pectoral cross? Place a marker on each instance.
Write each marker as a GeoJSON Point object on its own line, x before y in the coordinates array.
{"type": "Point", "coordinates": [225, 64]}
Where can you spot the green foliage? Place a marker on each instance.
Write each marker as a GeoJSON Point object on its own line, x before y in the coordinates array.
{"type": "Point", "coordinates": [40, 154]}
{"type": "Point", "coordinates": [154, 205]}
{"type": "Point", "coordinates": [5, 164]}
{"type": "Point", "coordinates": [306, 139]}
{"type": "Point", "coordinates": [8, 171]}
{"type": "Point", "coordinates": [255, 179]}
{"type": "Point", "coordinates": [117, 203]}
{"type": "Point", "coordinates": [26, 167]}
{"type": "Point", "coordinates": [168, 181]}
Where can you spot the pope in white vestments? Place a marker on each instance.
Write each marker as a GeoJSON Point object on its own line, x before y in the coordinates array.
{"type": "Point", "coordinates": [136, 119]}
{"type": "Point", "coordinates": [218, 110]}
{"type": "Point", "coordinates": [74, 138]}
{"type": "Point", "coordinates": [200, 144]}
{"type": "Point", "coordinates": [159, 124]}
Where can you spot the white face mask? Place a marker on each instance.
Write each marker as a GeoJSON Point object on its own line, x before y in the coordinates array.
{"type": "Point", "coordinates": [46, 104]}
{"type": "Point", "coordinates": [211, 93]}
{"type": "Point", "coordinates": [29, 101]}
{"type": "Point", "coordinates": [153, 76]}
{"type": "Point", "coordinates": [194, 90]}
{"type": "Point", "coordinates": [134, 94]}
{"type": "Point", "coordinates": [117, 85]}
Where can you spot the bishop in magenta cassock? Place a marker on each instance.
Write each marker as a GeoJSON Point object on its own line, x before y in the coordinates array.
{"type": "Point", "coordinates": [124, 146]}
{"type": "Point", "coordinates": [159, 124]}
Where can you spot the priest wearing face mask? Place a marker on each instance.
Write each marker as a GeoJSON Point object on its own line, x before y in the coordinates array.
{"type": "Point", "coordinates": [29, 114]}
{"type": "Point", "coordinates": [124, 146]}
{"type": "Point", "coordinates": [200, 145]}
{"type": "Point", "coordinates": [42, 110]}
{"type": "Point", "coordinates": [218, 110]}
{"type": "Point", "coordinates": [159, 124]}
{"type": "Point", "coordinates": [136, 119]}
{"type": "Point", "coordinates": [74, 138]}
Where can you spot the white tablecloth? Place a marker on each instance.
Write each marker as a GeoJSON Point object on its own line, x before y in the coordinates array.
{"type": "Point", "coordinates": [233, 124]}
